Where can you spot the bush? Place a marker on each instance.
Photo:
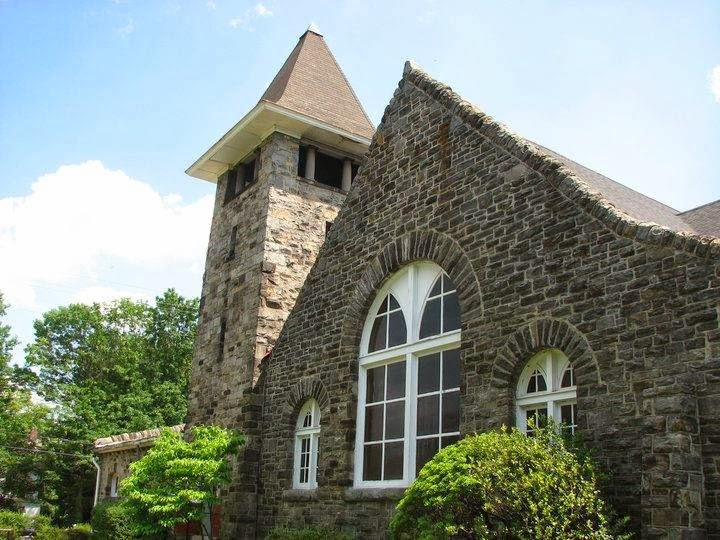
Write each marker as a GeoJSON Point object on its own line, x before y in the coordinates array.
{"type": "Point", "coordinates": [306, 533]}
{"type": "Point", "coordinates": [505, 485]}
{"type": "Point", "coordinates": [45, 531]}
{"type": "Point", "coordinates": [80, 531]}
{"type": "Point", "coordinates": [16, 521]}
{"type": "Point", "coordinates": [111, 522]}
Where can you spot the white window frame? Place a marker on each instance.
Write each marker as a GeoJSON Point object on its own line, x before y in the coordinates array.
{"type": "Point", "coordinates": [552, 363]}
{"type": "Point", "coordinates": [312, 434]}
{"type": "Point", "coordinates": [410, 287]}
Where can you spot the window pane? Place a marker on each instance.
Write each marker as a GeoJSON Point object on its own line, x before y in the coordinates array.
{"type": "Point", "coordinates": [437, 288]}
{"type": "Point", "coordinates": [541, 383]}
{"type": "Point", "coordinates": [448, 285]}
{"type": "Point", "coordinates": [393, 303]}
{"type": "Point", "coordinates": [532, 384]}
{"type": "Point", "coordinates": [450, 412]}
{"type": "Point", "coordinates": [384, 306]}
{"type": "Point", "coordinates": [378, 334]}
{"type": "Point", "coordinates": [398, 330]}
{"type": "Point", "coordinates": [567, 379]}
{"type": "Point", "coordinates": [427, 415]}
{"type": "Point", "coordinates": [375, 384]}
{"type": "Point", "coordinates": [393, 461]}
{"type": "Point", "coordinates": [374, 422]}
{"type": "Point", "coordinates": [451, 369]}
{"type": "Point", "coordinates": [395, 380]}
{"type": "Point", "coordinates": [425, 450]}
{"type": "Point", "coordinates": [395, 420]}
{"type": "Point", "coordinates": [451, 312]}
{"type": "Point", "coordinates": [450, 439]}
{"type": "Point", "coordinates": [428, 373]}
{"type": "Point", "coordinates": [372, 461]}
{"type": "Point", "coordinates": [430, 324]}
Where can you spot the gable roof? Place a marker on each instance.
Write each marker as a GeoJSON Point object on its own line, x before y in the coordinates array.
{"type": "Point", "coordinates": [311, 82]}
{"type": "Point", "coordinates": [704, 219]}
{"type": "Point", "coordinates": [137, 439]}
{"type": "Point", "coordinates": [625, 211]}
{"type": "Point", "coordinates": [633, 203]}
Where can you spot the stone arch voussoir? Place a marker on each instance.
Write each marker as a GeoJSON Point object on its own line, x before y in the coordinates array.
{"type": "Point", "coordinates": [416, 245]}
{"type": "Point", "coordinates": [538, 335]}
{"type": "Point", "coordinates": [299, 393]}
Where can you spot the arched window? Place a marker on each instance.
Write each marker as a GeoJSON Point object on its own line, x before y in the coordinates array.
{"type": "Point", "coordinates": [307, 433]}
{"type": "Point", "coordinates": [546, 389]}
{"type": "Point", "coordinates": [114, 480]}
{"type": "Point", "coordinates": [409, 380]}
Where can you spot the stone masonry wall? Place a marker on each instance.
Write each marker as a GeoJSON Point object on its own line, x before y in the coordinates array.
{"type": "Point", "coordinates": [249, 289]}
{"type": "Point", "coordinates": [539, 263]}
{"type": "Point", "coordinates": [116, 464]}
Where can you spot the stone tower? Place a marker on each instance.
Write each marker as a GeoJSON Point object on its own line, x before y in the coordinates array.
{"type": "Point", "coordinates": [282, 173]}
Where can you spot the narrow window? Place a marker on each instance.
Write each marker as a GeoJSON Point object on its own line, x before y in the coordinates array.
{"type": "Point", "coordinates": [546, 391]}
{"type": "Point", "coordinates": [231, 187]}
{"type": "Point", "coordinates": [328, 226]}
{"type": "Point", "coordinates": [307, 433]}
{"type": "Point", "coordinates": [328, 170]}
{"type": "Point", "coordinates": [114, 485]}
{"type": "Point", "coordinates": [231, 244]}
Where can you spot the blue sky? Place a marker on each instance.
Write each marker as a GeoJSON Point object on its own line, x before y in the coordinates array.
{"type": "Point", "coordinates": [104, 104]}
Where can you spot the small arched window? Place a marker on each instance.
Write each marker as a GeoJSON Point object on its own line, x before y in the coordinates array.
{"type": "Point", "coordinates": [546, 390]}
{"type": "Point", "coordinates": [307, 433]}
{"type": "Point", "coordinates": [114, 485]}
{"type": "Point", "coordinates": [409, 376]}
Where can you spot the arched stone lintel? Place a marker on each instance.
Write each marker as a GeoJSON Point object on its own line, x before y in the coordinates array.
{"type": "Point", "coordinates": [418, 245]}
{"type": "Point", "coordinates": [538, 335]}
{"type": "Point", "coordinates": [299, 393]}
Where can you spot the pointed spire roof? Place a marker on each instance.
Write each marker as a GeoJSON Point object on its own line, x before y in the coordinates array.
{"type": "Point", "coordinates": [310, 82]}
{"type": "Point", "coordinates": [309, 98]}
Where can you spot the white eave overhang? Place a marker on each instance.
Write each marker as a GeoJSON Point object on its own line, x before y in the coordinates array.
{"type": "Point", "coordinates": [264, 119]}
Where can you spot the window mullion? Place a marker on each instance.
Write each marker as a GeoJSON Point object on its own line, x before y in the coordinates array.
{"type": "Point", "coordinates": [411, 414]}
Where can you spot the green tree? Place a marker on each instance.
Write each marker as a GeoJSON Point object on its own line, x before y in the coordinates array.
{"type": "Point", "coordinates": [7, 344]}
{"type": "Point", "coordinates": [20, 422]}
{"type": "Point", "coordinates": [106, 369]}
{"type": "Point", "coordinates": [177, 480]}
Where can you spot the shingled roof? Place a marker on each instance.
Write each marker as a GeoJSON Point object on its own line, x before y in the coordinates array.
{"type": "Point", "coordinates": [635, 204]}
{"type": "Point", "coordinates": [311, 82]}
{"type": "Point", "coordinates": [704, 219]}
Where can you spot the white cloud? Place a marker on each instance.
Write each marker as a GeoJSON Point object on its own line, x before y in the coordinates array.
{"type": "Point", "coordinates": [211, 5]}
{"type": "Point", "coordinates": [261, 11]}
{"type": "Point", "coordinates": [126, 30]}
{"type": "Point", "coordinates": [245, 21]}
{"type": "Point", "coordinates": [79, 217]}
{"type": "Point", "coordinates": [715, 82]}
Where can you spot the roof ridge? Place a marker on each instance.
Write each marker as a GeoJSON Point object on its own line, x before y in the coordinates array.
{"type": "Point", "coordinates": [699, 207]}
{"type": "Point", "coordinates": [557, 174]}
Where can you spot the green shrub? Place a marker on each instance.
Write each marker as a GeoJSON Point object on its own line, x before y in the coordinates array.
{"type": "Point", "coordinates": [45, 531]}
{"type": "Point", "coordinates": [111, 522]}
{"type": "Point", "coordinates": [16, 521]}
{"type": "Point", "coordinates": [504, 484]}
{"type": "Point", "coordinates": [79, 531]}
{"type": "Point", "coordinates": [306, 533]}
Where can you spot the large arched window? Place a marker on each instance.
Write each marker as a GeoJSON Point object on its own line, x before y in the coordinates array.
{"type": "Point", "coordinates": [546, 389]}
{"type": "Point", "coordinates": [307, 434]}
{"type": "Point", "coordinates": [409, 380]}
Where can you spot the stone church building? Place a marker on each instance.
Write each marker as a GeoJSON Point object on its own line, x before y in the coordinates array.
{"type": "Point", "coordinates": [372, 295]}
